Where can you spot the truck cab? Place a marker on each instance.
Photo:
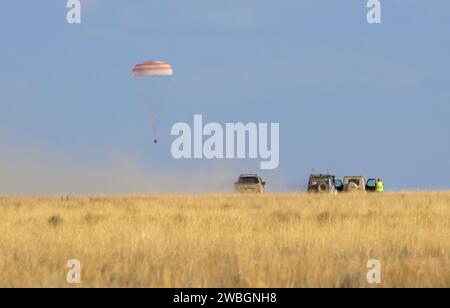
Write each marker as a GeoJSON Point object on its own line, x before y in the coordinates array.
{"type": "Point", "coordinates": [250, 183]}
{"type": "Point", "coordinates": [324, 183]}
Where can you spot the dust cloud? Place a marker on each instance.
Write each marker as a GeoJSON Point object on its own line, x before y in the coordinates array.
{"type": "Point", "coordinates": [37, 172]}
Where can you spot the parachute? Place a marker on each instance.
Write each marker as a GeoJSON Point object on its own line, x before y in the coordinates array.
{"type": "Point", "coordinates": [152, 69]}
{"type": "Point", "coordinates": [153, 79]}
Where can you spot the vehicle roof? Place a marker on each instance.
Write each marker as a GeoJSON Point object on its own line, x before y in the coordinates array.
{"type": "Point", "coordinates": [320, 175]}
{"type": "Point", "coordinates": [248, 176]}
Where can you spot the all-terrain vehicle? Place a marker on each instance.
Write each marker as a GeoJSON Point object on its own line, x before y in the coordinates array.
{"type": "Point", "coordinates": [324, 183]}
{"type": "Point", "coordinates": [250, 183]}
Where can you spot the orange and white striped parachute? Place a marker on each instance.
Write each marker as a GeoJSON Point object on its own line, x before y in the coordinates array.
{"type": "Point", "coordinates": [152, 69]}
{"type": "Point", "coordinates": [153, 89]}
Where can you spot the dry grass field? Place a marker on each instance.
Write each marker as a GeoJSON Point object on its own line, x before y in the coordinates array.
{"type": "Point", "coordinates": [227, 240]}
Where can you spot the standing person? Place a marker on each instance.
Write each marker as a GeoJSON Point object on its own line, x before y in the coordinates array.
{"type": "Point", "coordinates": [380, 186]}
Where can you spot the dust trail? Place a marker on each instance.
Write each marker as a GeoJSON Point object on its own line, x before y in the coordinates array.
{"type": "Point", "coordinates": [37, 172]}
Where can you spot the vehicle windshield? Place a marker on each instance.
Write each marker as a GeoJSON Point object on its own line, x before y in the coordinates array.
{"type": "Point", "coordinates": [316, 180]}
{"type": "Point", "coordinates": [371, 183]}
{"type": "Point", "coordinates": [248, 180]}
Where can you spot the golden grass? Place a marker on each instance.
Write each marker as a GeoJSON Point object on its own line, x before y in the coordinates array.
{"type": "Point", "coordinates": [227, 240]}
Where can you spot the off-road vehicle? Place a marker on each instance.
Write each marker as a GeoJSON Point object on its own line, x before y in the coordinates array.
{"type": "Point", "coordinates": [324, 183]}
{"type": "Point", "coordinates": [359, 184]}
{"type": "Point", "coordinates": [250, 183]}
{"type": "Point", "coordinates": [354, 184]}
{"type": "Point", "coordinates": [371, 185]}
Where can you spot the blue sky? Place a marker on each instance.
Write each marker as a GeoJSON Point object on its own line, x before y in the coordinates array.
{"type": "Point", "coordinates": [350, 97]}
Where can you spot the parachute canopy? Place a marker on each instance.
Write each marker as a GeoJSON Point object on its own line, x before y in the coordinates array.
{"type": "Point", "coordinates": [152, 69]}
{"type": "Point", "coordinates": [153, 79]}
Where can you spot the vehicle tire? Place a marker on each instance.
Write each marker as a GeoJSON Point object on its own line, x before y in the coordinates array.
{"type": "Point", "coordinates": [323, 187]}
{"type": "Point", "coordinates": [352, 187]}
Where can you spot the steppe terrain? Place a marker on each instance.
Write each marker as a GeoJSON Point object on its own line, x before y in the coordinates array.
{"type": "Point", "coordinates": [292, 240]}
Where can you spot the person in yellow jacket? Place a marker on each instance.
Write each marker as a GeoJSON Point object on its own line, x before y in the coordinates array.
{"type": "Point", "coordinates": [380, 186]}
